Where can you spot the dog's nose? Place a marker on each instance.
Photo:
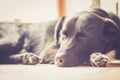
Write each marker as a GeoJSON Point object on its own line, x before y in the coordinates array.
{"type": "Point", "coordinates": [59, 61]}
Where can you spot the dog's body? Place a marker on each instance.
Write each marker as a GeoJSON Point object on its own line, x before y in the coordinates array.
{"type": "Point", "coordinates": [11, 41]}
{"type": "Point", "coordinates": [68, 42]}
{"type": "Point", "coordinates": [24, 41]}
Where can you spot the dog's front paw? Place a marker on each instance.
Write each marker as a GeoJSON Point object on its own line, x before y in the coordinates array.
{"type": "Point", "coordinates": [99, 60]}
{"type": "Point", "coordinates": [30, 59]}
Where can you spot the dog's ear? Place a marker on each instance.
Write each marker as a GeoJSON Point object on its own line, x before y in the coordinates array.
{"type": "Point", "coordinates": [111, 29]}
{"type": "Point", "coordinates": [100, 12]}
{"type": "Point", "coordinates": [58, 28]}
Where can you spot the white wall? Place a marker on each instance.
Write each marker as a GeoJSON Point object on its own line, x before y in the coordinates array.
{"type": "Point", "coordinates": [41, 10]}
{"type": "Point", "coordinates": [77, 5]}
{"type": "Point", "coordinates": [28, 10]}
{"type": "Point", "coordinates": [109, 5]}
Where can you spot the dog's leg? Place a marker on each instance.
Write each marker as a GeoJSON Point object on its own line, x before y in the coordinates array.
{"type": "Point", "coordinates": [99, 60]}
{"type": "Point", "coordinates": [103, 60]}
{"type": "Point", "coordinates": [26, 58]}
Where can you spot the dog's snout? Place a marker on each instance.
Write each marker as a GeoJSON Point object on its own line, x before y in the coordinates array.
{"type": "Point", "coordinates": [59, 61]}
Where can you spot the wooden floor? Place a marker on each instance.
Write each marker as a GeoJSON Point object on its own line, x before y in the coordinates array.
{"type": "Point", "coordinates": [52, 72]}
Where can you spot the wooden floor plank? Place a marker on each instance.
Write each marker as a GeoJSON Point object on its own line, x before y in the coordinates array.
{"type": "Point", "coordinates": [51, 72]}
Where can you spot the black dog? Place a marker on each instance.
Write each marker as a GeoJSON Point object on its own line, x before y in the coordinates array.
{"type": "Point", "coordinates": [85, 33]}
{"type": "Point", "coordinates": [67, 42]}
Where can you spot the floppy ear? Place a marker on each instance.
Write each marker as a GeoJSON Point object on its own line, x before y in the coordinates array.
{"type": "Point", "coordinates": [58, 28]}
{"type": "Point", "coordinates": [111, 29]}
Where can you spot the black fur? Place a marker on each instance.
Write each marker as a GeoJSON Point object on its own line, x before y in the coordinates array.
{"type": "Point", "coordinates": [67, 42]}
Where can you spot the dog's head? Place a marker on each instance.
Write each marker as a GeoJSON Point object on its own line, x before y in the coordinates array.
{"type": "Point", "coordinates": [81, 34]}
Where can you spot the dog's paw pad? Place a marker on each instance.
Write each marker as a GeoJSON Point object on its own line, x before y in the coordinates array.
{"type": "Point", "coordinates": [31, 59]}
{"type": "Point", "coordinates": [99, 60]}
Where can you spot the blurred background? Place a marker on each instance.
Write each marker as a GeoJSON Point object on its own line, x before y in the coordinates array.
{"type": "Point", "coordinates": [42, 10]}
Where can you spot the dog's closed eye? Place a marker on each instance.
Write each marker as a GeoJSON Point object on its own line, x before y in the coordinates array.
{"type": "Point", "coordinates": [81, 35]}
